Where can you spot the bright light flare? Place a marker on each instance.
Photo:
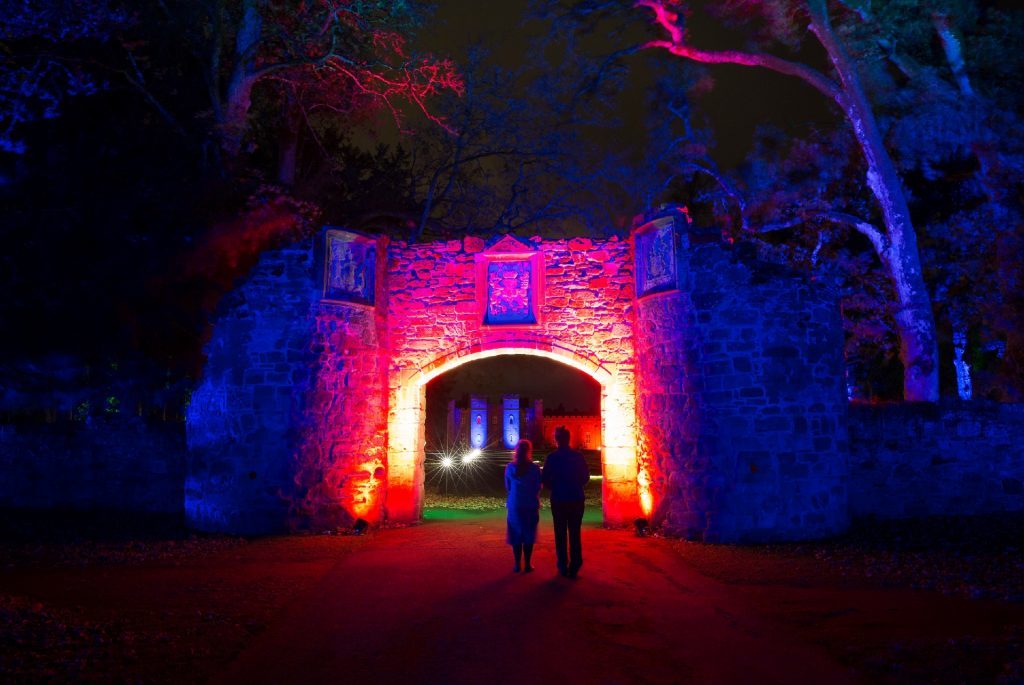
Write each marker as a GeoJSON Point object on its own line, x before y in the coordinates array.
{"type": "Point", "coordinates": [470, 456]}
{"type": "Point", "coordinates": [643, 482]}
{"type": "Point", "coordinates": [447, 462]}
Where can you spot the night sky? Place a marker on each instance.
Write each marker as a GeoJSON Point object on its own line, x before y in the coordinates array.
{"type": "Point", "coordinates": [508, 32]}
{"type": "Point", "coordinates": [108, 210]}
{"type": "Point", "coordinates": [740, 100]}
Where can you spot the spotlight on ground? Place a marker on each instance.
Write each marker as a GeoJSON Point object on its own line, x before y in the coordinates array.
{"type": "Point", "coordinates": [447, 462]}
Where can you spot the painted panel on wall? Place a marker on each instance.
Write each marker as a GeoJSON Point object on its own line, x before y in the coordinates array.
{"type": "Point", "coordinates": [656, 259]}
{"type": "Point", "coordinates": [350, 267]}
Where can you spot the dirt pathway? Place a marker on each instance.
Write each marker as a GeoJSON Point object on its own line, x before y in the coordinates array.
{"type": "Point", "coordinates": [438, 603]}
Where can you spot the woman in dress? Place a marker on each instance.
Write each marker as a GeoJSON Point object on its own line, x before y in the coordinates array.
{"type": "Point", "coordinates": [522, 480]}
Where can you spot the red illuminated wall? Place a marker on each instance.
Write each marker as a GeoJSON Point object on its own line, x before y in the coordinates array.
{"type": "Point", "coordinates": [722, 412]}
{"type": "Point", "coordinates": [584, 431]}
{"type": "Point", "coordinates": [340, 464]}
{"type": "Point", "coordinates": [583, 294]}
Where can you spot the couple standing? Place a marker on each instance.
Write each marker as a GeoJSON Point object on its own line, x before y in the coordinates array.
{"type": "Point", "coordinates": [564, 475]}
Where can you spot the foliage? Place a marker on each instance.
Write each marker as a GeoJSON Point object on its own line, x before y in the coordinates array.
{"type": "Point", "coordinates": [954, 144]}
{"type": "Point", "coordinates": [149, 151]}
{"type": "Point", "coordinates": [131, 211]}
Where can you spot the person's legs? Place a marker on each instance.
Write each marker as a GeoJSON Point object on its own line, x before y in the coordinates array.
{"type": "Point", "coordinates": [558, 515]}
{"type": "Point", "coordinates": [517, 552]}
{"type": "Point", "coordinates": [527, 555]}
{"type": "Point", "coordinates": [574, 522]}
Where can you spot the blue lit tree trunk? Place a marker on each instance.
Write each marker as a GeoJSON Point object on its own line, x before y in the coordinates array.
{"type": "Point", "coordinates": [896, 245]}
{"type": "Point", "coordinates": [897, 248]}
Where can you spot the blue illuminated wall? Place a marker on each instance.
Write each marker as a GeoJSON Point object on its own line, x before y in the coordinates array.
{"type": "Point", "coordinates": [510, 421]}
{"type": "Point", "coordinates": [287, 429]}
{"type": "Point", "coordinates": [240, 421]}
{"type": "Point", "coordinates": [478, 422]}
{"type": "Point", "coordinates": [740, 395]}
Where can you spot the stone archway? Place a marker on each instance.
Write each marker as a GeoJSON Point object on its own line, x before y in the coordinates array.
{"type": "Point", "coordinates": [723, 414]}
{"type": "Point", "coordinates": [568, 300]}
{"type": "Point", "coordinates": [620, 500]}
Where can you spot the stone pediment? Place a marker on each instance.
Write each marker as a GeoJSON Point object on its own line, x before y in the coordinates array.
{"type": "Point", "coordinates": [508, 243]}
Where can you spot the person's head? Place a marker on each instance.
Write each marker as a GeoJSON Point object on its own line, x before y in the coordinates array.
{"type": "Point", "coordinates": [562, 436]}
{"type": "Point", "coordinates": [524, 450]}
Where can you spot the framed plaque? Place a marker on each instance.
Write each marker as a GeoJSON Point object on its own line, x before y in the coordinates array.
{"type": "Point", "coordinates": [656, 264]}
{"type": "Point", "coordinates": [509, 298]}
{"type": "Point", "coordinates": [350, 267]}
{"type": "Point", "coordinates": [510, 283]}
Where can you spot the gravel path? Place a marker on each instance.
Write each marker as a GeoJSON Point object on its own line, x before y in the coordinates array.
{"type": "Point", "coordinates": [931, 601]}
{"type": "Point", "coordinates": [438, 603]}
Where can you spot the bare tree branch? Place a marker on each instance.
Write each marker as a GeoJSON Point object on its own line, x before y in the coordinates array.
{"type": "Point", "coordinates": [676, 45]}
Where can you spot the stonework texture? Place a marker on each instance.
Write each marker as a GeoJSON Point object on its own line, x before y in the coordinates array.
{"type": "Point", "coordinates": [240, 421]}
{"type": "Point", "coordinates": [286, 429]}
{"type": "Point", "coordinates": [583, 316]}
{"type": "Point", "coordinates": [948, 459]}
{"type": "Point", "coordinates": [723, 408]}
{"type": "Point", "coordinates": [740, 400]}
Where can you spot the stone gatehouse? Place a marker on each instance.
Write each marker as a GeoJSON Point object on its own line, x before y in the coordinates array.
{"type": "Point", "coordinates": [723, 413]}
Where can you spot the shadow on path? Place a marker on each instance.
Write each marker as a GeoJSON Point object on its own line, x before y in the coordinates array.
{"type": "Point", "coordinates": [438, 603]}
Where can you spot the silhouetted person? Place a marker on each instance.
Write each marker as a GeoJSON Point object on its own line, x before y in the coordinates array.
{"type": "Point", "coordinates": [565, 473]}
{"type": "Point", "coordinates": [522, 480]}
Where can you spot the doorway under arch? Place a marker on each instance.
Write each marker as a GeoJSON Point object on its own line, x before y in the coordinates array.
{"type": "Point", "coordinates": [623, 493]}
{"type": "Point", "coordinates": [490, 405]}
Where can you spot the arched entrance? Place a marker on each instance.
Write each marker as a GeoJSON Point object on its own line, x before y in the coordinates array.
{"type": "Point", "coordinates": [568, 300]}
{"type": "Point", "coordinates": [621, 501]}
{"type": "Point", "coordinates": [722, 409]}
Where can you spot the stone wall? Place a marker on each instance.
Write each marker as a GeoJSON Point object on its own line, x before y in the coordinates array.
{"type": "Point", "coordinates": [584, 431]}
{"type": "Point", "coordinates": [435, 310]}
{"type": "Point", "coordinates": [740, 399]}
{"type": "Point", "coordinates": [342, 460]}
{"type": "Point", "coordinates": [286, 428]}
{"type": "Point", "coordinates": [116, 464]}
{"type": "Point", "coordinates": [436, 321]}
{"type": "Point", "coordinates": [241, 417]}
{"type": "Point", "coordinates": [723, 409]}
{"type": "Point", "coordinates": [954, 458]}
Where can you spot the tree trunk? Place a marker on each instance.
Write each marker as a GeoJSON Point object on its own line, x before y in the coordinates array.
{"type": "Point", "coordinates": [239, 99]}
{"type": "Point", "coordinates": [954, 53]}
{"type": "Point", "coordinates": [288, 143]}
{"type": "Point", "coordinates": [915, 321]}
{"type": "Point", "coordinates": [239, 92]}
{"type": "Point", "coordinates": [1009, 252]}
